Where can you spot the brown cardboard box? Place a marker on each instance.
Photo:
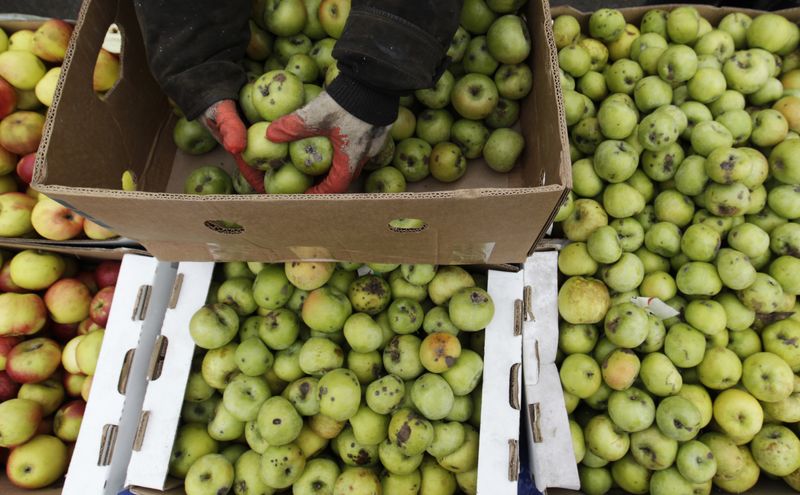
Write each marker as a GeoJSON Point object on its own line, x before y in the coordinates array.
{"type": "Point", "coordinates": [557, 477]}
{"type": "Point", "coordinates": [89, 142]}
{"type": "Point", "coordinates": [15, 22]}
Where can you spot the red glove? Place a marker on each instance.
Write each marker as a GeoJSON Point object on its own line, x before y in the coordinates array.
{"type": "Point", "coordinates": [223, 121]}
{"type": "Point", "coordinates": [354, 141]}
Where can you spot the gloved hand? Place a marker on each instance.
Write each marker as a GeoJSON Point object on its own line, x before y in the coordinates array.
{"type": "Point", "coordinates": [354, 141]}
{"type": "Point", "coordinates": [223, 121]}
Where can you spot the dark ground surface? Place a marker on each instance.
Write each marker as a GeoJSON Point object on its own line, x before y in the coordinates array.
{"type": "Point", "coordinates": [69, 8]}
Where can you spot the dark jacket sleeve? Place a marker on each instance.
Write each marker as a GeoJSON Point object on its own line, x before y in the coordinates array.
{"type": "Point", "coordinates": [389, 48]}
{"type": "Point", "coordinates": [195, 48]}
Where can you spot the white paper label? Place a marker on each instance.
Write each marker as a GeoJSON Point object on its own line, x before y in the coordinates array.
{"type": "Point", "coordinates": [656, 307]}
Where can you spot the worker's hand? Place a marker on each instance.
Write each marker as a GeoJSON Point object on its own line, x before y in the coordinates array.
{"type": "Point", "coordinates": [354, 141]}
{"type": "Point", "coordinates": [223, 121]}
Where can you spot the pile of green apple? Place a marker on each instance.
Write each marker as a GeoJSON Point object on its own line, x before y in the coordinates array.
{"type": "Point", "coordinates": [52, 315]}
{"type": "Point", "coordinates": [30, 66]}
{"type": "Point", "coordinates": [686, 170]}
{"type": "Point", "coordinates": [330, 378]}
{"type": "Point", "coordinates": [468, 114]}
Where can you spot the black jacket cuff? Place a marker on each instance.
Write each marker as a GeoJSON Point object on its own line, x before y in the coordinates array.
{"type": "Point", "coordinates": [368, 104]}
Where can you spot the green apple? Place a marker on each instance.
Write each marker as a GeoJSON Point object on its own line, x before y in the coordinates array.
{"type": "Point", "coordinates": [277, 92]}
{"type": "Point", "coordinates": [192, 137]}
{"type": "Point", "coordinates": [738, 414]}
{"type": "Point", "coordinates": [652, 449]}
{"type": "Point", "coordinates": [575, 60]}
{"type": "Point", "coordinates": [617, 121]}
{"type": "Point", "coordinates": [659, 375]}
{"type": "Point", "coordinates": [746, 72]}
{"type": "Point", "coordinates": [208, 180]}
{"type": "Point", "coordinates": [580, 375]}
{"type": "Point", "coordinates": [767, 377]}
{"type": "Point", "coordinates": [478, 59]}
{"type": "Point", "coordinates": [677, 64]}
{"type": "Point", "coordinates": [583, 300]}
{"type": "Point", "coordinates": [605, 439]}
{"type": "Point", "coordinates": [631, 410]}
{"type": "Point", "coordinates": [503, 148]}
{"type": "Point", "coordinates": [439, 95]}
{"type": "Point", "coordinates": [683, 24]}
{"type": "Point", "coordinates": [508, 39]}
{"type": "Point", "coordinates": [214, 325]}
{"type": "Point", "coordinates": [776, 450]}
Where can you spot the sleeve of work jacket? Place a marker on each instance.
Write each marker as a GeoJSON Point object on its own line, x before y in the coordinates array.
{"type": "Point", "coordinates": [195, 48]}
{"type": "Point", "coordinates": [388, 48]}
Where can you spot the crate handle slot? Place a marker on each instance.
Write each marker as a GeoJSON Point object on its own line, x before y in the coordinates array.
{"type": "Point", "coordinates": [124, 373]}
{"type": "Point", "coordinates": [157, 358]}
{"type": "Point", "coordinates": [518, 317]}
{"type": "Point", "coordinates": [513, 460]}
{"type": "Point", "coordinates": [107, 442]}
{"type": "Point", "coordinates": [141, 428]}
{"type": "Point", "coordinates": [513, 386]}
{"type": "Point", "coordinates": [527, 296]}
{"type": "Point", "coordinates": [176, 291]}
{"type": "Point", "coordinates": [142, 301]}
{"type": "Point", "coordinates": [534, 410]}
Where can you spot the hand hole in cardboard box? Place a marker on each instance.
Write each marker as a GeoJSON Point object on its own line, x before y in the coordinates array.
{"type": "Point", "coordinates": [223, 227]}
{"type": "Point", "coordinates": [108, 67]}
{"type": "Point", "coordinates": [407, 225]}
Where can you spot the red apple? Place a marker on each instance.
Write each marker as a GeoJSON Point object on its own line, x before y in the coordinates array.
{"type": "Point", "coordinates": [8, 98]}
{"type": "Point", "coordinates": [68, 301]}
{"type": "Point", "coordinates": [50, 41]}
{"type": "Point", "coordinates": [33, 360]}
{"type": "Point", "coordinates": [106, 273]}
{"type": "Point", "coordinates": [45, 426]}
{"type": "Point", "coordinates": [63, 332]}
{"type": "Point", "coordinates": [21, 132]}
{"type": "Point", "coordinates": [21, 314]}
{"type": "Point", "coordinates": [6, 284]}
{"type": "Point", "coordinates": [54, 221]}
{"type": "Point", "coordinates": [101, 305]}
{"type": "Point", "coordinates": [8, 387]}
{"type": "Point", "coordinates": [6, 344]}
{"type": "Point", "coordinates": [67, 422]}
{"type": "Point", "coordinates": [87, 326]}
{"type": "Point", "coordinates": [88, 279]}
{"type": "Point", "coordinates": [25, 167]}
{"type": "Point", "coordinates": [73, 382]}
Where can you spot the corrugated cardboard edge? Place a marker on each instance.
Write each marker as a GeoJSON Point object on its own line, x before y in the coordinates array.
{"type": "Point", "coordinates": [100, 253]}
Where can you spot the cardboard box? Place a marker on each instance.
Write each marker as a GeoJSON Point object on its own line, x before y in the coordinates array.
{"type": "Point", "coordinates": [101, 454]}
{"type": "Point", "coordinates": [133, 321]}
{"type": "Point", "coordinates": [484, 218]}
{"type": "Point", "coordinates": [498, 463]}
{"type": "Point", "coordinates": [11, 23]}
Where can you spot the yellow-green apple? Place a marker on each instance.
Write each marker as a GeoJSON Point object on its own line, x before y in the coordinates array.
{"type": "Point", "coordinates": [97, 232]}
{"type": "Point", "coordinates": [8, 159]}
{"type": "Point", "coordinates": [21, 314]}
{"type": "Point", "coordinates": [107, 273]}
{"type": "Point", "coordinates": [73, 383]}
{"type": "Point", "coordinates": [86, 388]}
{"type": "Point", "coordinates": [8, 387]}
{"type": "Point", "coordinates": [789, 107]}
{"type": "Point", "coordinates": [68, 301]}
{"type": "Point", "coordinates": [54, 221]}
{"type": "Point", "coordinates": [88, 350]}
{"type": "Point", "coordinates": [106, 71]}
{"type": "Point", "coordinates": [38, 463]}
{"type": "Point", "coordinates": [19, 419]}
{"type": "Point", "coordinates": [49, 394]}
{"type": "Point", "coordinates": [33, 360]}
{"type": "Point", "coordinates": [6, 344]}
{"type": "Point", "coordinates": [744, 479]}
{"type": "Point", "coordinates": [8, 98]}
{"type": "Point", "coordinates": [69, 355]}
{"type": "Point", "coordinates": [45, 89]}
{"type": "Point", "coordinates": [474, 96]}
{"type": "Point", "coordinates": [767, 377]}
{"type": "Point", "coordinates": [88, 326]}
{"type": "Point", "coordinates": [20, 132]}
{"type": "Point", "coordinates": [50, 40]}
{"type": "Point", "coordinates": [15, 214]}
{"type": "Point", "coordinates": [36, 270]}
{"type": "Point", "coordinates": [21, 69]}
{"type": "Point", "coordinates": [333, 16]}
{"type": "Point", "coordinates": [100, 306]}
{"type": "Point", "coordinates": [67, 422]}
{"type": "Point", "coordinates": [21, 40]}
{"type": "Point", "coordinates": [738, 414]}
{"type": "Point", "coordinates": [25, 167]}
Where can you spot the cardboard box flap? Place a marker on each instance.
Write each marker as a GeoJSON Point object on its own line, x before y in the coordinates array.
{"type": "Point", "coordinates": [498, 461]}
{"type": "Point", "coordinates": [101, 454]}
{"type": "Point", "coordinates": [125, 120]}
{"type": "Point", "coordinates": [98, 253]}
{"type": "Point", "coordinates": [552, 459]}
{"type": "Point", "coordinates": [169, 363]}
